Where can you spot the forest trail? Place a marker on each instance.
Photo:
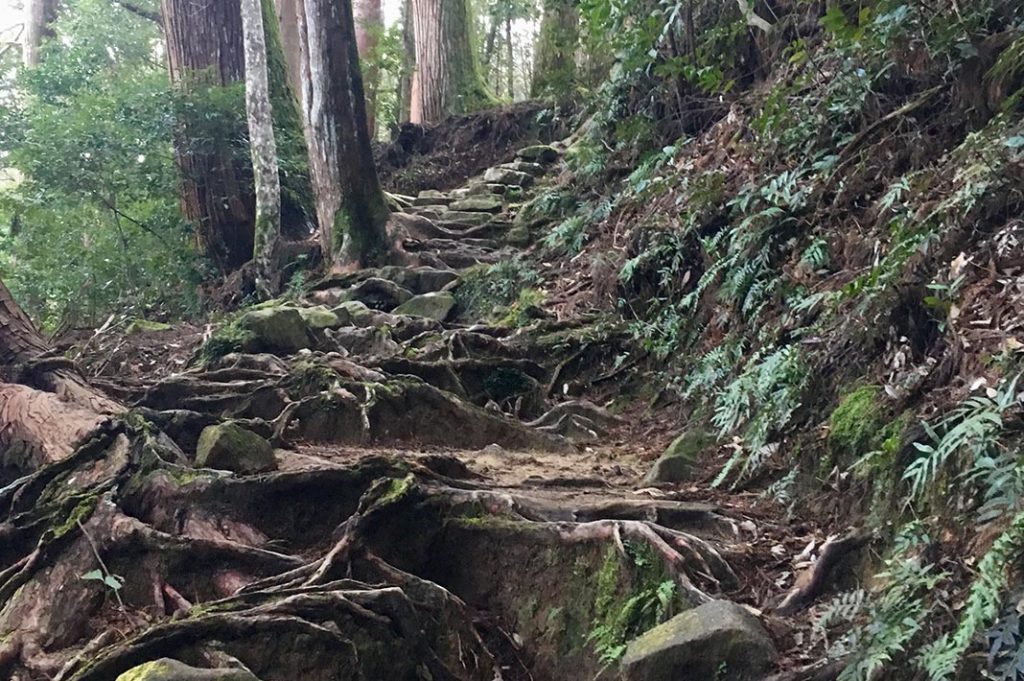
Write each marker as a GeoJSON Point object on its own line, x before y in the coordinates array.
{"type": "Point", "coordinates": [411, 497]}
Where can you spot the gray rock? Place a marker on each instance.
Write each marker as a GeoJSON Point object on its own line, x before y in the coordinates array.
{"type": "Point", "coordinates": [676, 464]}
{"type": "Point", "coordinates": [277, 329]}
{"type": "Point", "coordinates": [717, 640]}
{"type": "Point", "coordinates": [431, 197]}
{"type": "Point", "coordinates": [508, 177]}
{"type": "Point", "coordinates": [319, 317]}
{"type": "Point", "coordinates": [436, 306]}
{"type": "Point", "coordinates": [419, 279]}
{"type": "Point", "coordinates": [166, 669]}
{"type": "Point", "coordinates": [379, 294]}
{"type": "Point", "coordinates": [357, 314]}
{"type": "Point", "coordinates": [534, 169]}
{"type": "Point", "coordinates": [538, 153]}
{"type": "Point", "coordinates": [464, 217]}
{"type": "Point", "coordinates": [483, 204]}
{"type": "Point", "coordinates": [230, 447]}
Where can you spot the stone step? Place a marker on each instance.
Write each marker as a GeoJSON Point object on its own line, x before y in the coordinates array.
{"type": "Point", "coordinates": [481, 204]}
{"type": "Point", "coordinates": [534, 169]}
{"type": "Point", "coordinates": [509, 177]}
{"type": "Point", "coordinates": [469, 218]}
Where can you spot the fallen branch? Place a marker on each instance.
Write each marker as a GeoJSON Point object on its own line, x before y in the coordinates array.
{"type": "Point", "coordinates": [811, 582]}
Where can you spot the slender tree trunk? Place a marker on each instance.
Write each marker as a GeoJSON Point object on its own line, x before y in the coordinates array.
{"type": "Point", "coordinates": [205, 53]}
{"type": "Point", "coordinates": [288, 22]}
{"type": "Point", "coordinates": [350, 203]}
{"type": "Point", "coordinates": [492, 34]}
{"type": "Point", "coordinates": [511, 59]}
{"type": "Point", "coordinates": [447, 79]}
{"type": "Point", "coordinates": [408, 63]}
{"type": "Point", "coordinates": [39, 15]}
{"type": "Point", "coordinates": [554, 71]}
{"type": "Point", "coordinates": [263, 148]}
{"type": "Point", "coordinates": [369, 26]}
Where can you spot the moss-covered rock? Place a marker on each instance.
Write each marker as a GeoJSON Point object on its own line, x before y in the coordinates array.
{"type": "Point", "coordinates": [677, 462]}
{"type": "Point", "coordinates": [276, 329]}
{"type": "Point", "coordinates": [717, 640]}
{"type": "Point", "coordinates": [378, 294]}
{"type": "Point", "coordinates": [355, 313]}
{"type": "Point", "coordinates": [166, 669]}
{"type": "Point", "coordinates": [538, 153]}
{"type": "Point", "coordinates": [230, 447]}
{"type": "Point", "coordinates": [488, 203]}
{"type": "Point", "coordinates": [437, 306]}
{"type": "Point", "coordinates": [319, 317]}
{"type": "Point", "coordinates": [508, 176]}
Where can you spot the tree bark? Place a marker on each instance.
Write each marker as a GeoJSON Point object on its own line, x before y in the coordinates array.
{"type": "Point", "coordinates": [288, 22]}
{"type": "Point", "coordinates": [20, 341]}
{"type": "Point", "coordinates": [555, 69]}
{"type": "Point", "coordinates": [369, 24]}
{"type": "Point", "coordinates": [511, 59]}
{"type": "Point", "coordinates": [39, 15]}
{"type": "Point", "coordinates": [263, 148]}
{"type": "Point", "coordinates": [350, 203]}
{"type": "Point", "coordinates": [408, 63]}
{"type": "Point", "coordinates": [205, 56]}
{"type": "Point", "coordinates": [447, 79]}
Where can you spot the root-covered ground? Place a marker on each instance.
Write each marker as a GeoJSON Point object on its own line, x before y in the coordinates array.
{"type": "Point", "coordinates": [365, 482]}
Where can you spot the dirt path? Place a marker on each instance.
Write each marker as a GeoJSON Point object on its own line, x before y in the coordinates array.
{"type": "Point", "coordinates": [351, 485]}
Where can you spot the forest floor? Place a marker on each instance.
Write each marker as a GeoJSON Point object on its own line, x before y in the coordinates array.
{"type": "Point", "coordinates": [418, 517]}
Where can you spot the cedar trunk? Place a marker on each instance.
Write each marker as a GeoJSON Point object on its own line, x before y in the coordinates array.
{"type": "Point", "coordinates": [351, 207]}
{"type": "Point", "coordinates": [39, 15]}
{"type": "Point", "coordinates": [554, 73]}
{"type": "Point", "coordinates": [369, 24]}
{"type": "Point", "coordinates": [408, 63]}
{"type": "Point", "coordinates": [447, 79]}
{"type": "Point", "coordinates": [206, 58]}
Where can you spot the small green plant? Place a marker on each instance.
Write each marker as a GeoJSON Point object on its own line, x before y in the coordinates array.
{"type": "Point", "coordinates": [225, 340]}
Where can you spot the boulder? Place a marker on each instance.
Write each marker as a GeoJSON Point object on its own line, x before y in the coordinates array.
{"type": "Point", "coordinates": [357, 314]}
{"type": "Point", "coordinates": [378, 294]}
{"type": "Point", "coordinates": [482, 204]}
{"type": "Point", "coordinates": [534, 169]}
{"type": "Point", "coordinates": [508, 177]}
{"type": "Point", "coordinates": [166, 669]}
{"type": "Point", "coordinates": [538, 153]}
{"type": "Point", "coordinates": [717, 640]}
{"type": "Point", "coordinates": [319, 317]}
{"type": "Point", "coordinates": [419, 279]}
{"type": "Point", "coordinates": [277, 329]}
{"type": "Point", "coordinates": [437, 306]}
{"type": "Point", "coordinates": [677, 462]}
{"type": "Point", "coordinates": [230, 447]}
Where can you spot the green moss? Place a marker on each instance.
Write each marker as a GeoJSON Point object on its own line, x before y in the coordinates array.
{"type": "Point", "coordinates": [856, 425]}
{"type": "Point", "coordinates": [525, 309]}
{"type": "Point", "coordinates": [79, 514]}
{"type": "Point", "coordinates": [227, 339]}
{"type": "Point", "coordinates": [396, 489]}
{"type": "Point", "coordinates": [626, 606]}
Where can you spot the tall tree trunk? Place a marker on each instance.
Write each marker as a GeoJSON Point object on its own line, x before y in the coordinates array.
{"type": "Point", "coordinates": [492, 34]}
{"type": "Point", "coordinates": [288, 23]}
{"type": "Point", "coordinates": [408, 63]}
{"type": "Point", "coordinates": [205, 55]}
{"type": "Point", "coordinates": [554, 72]}
{"type": "Point", "coordinates": [369, 26]}
{"type": "Point", "coordinates": [20, 341]}
{"type": "Point", "coordinates": [39, 15]}
{"type": "Point", "coordinates": [447, 79]}
{"type": "Point", "coordinates": [511, 59]}
{"type": "Point", "coordinates": [263, 147]}
{"type": "Point", "coordinates": [350, 203]}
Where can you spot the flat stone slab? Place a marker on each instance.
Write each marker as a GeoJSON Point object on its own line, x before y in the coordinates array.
{"type": "Point", "coordinates": [464, 217]}
{"type": "Point", "coordinates": [483, 204]}
{"type": "Point", "coordinates": [534, 169]}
